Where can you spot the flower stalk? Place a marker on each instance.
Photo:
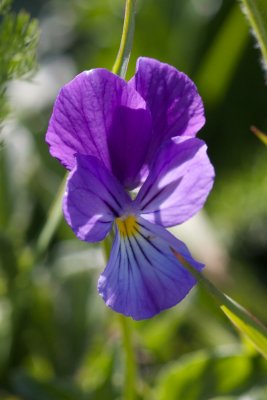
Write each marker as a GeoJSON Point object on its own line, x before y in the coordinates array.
{"type": "Point", "coordinates": [122, 60]}
{"type": "Point", "coordinates": [130, 362]}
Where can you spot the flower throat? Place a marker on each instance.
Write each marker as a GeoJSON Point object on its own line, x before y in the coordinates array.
{"type": "Point", "coordinates": [127, 226]}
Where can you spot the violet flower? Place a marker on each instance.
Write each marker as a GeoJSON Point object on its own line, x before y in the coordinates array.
{"type": "Point", "coordinates": [113, 136]}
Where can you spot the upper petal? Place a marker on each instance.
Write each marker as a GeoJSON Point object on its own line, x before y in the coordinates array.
{"type": "Point", "coordinates": [93, 199]}
{"type": "Point", "coordinates": [85, 120]}
{"type": "Point", "coordinates": [179, 182]}
{"type": "Point", "coordinates": [129, 140]}
{"type": "Point", "coordinates": [143, 277]}
{"type": "Point", "coordinates": [172, 97]}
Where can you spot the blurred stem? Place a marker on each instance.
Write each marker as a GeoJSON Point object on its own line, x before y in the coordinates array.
{"type": "Point", "coordinates": [121, 63]}
{"type": "Point", "coordinates": [130, 363]}
{"type": "Point", "coordinates": [52, 222]}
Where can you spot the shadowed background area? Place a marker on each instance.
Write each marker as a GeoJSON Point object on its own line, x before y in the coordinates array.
{"type": "Point", "coordinates": [57, 338]}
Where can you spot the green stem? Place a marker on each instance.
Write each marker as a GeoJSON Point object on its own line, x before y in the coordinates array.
{"type": "Point", "coordinates": [52, 222]}
{"type": "Point", "coordinates": [130, 362]}
{"type": "Point", "coordinates": [121, 63]}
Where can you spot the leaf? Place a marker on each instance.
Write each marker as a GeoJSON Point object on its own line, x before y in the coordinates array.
{"type": "Point", "coordinates": [248, 326]}
{"type": "Point", "coordinates": [256, 12]}
{"type": "Point", "coordinates": [261, 135]}
{"type": "Point", "coordinates": [246, 323]}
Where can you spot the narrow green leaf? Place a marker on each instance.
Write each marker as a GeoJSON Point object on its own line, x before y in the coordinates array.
{"type": "Point", "coordinates": [261, 135]}
{"type": "Point", "coordinates": [246, 323]}
{"type": "Point", "coordinates": [256, 12]}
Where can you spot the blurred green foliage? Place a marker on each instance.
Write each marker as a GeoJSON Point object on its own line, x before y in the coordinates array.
{"type": "Point", "coordinates": [57, 338]}
{"type": "Point", "coordinates": [204, 375]}
{"type": "Point", "coordinates": [18, 46]}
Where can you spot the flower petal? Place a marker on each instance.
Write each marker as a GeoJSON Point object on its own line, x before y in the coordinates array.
{"type": "Point", "coordinates": [129, 140]}
{"type": "Point", "coordinates": [93, 199]}
{"type": "Point", "coordinates": [83, 119]}
{"type": "Point", "coordinates": [143, 277]}
{"type": "Point", "coordinates": [180, 180]}
{"type": "Point", "coordinates": [172, 98]}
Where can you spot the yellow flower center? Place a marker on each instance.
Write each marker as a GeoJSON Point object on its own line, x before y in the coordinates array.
{"type": "Point", "coordinates": [127, 226]}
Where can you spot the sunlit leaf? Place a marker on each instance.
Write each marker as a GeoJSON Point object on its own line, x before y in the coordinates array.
{"type": "Point", "coordinates": [261, 135]}
{"type": "Point", "coordinates": [248, 326]}
{"type": "Point", "coordinates": [246, 323]}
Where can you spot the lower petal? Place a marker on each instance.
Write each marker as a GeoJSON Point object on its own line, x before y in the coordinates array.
{"type": "Point", "coordinates": [143, 277]}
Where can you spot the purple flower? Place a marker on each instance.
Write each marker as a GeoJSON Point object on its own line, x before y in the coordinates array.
{"type": "Point", "coordinates": [113, 136]}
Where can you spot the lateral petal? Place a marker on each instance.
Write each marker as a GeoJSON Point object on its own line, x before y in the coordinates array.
{"type": "Point", "coordinates": [179, 182]}
{"type": "Point", "coordinates": [143, 277]}
{"type": "Point", "coordinates": [93, 199]}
